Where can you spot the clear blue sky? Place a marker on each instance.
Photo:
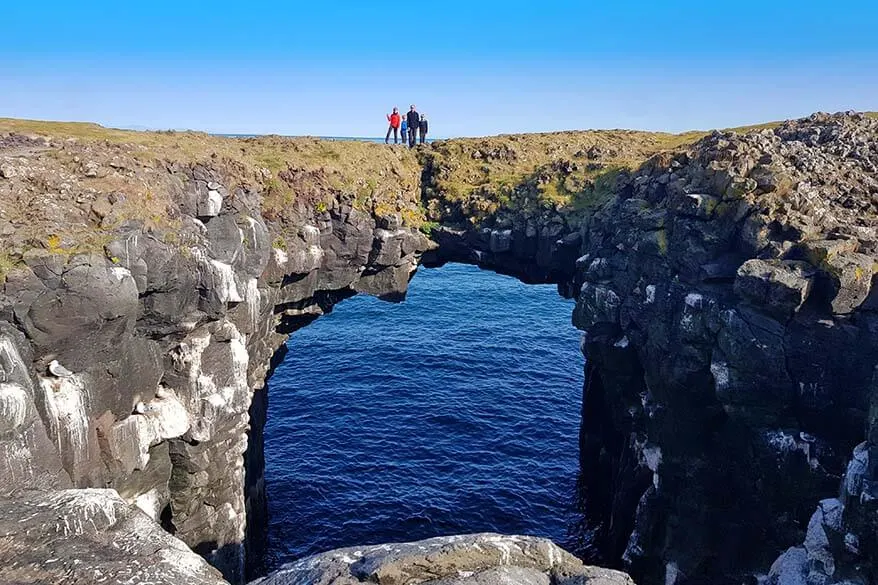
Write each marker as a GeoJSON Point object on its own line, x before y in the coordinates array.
{"type": "Point", "coordinates": [475, 67]}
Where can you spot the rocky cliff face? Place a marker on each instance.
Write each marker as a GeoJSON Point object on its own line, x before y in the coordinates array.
{"type": "Point", "coordinates": [724, 288]}
{"type": "Point", "coordinates": [727, 302]}
{"type": "Point", "coordinates": [725, 293]}
{"type": "Point", "coordinates": [132, 365]}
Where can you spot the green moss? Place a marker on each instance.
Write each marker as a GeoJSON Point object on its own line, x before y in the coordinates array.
{"type": "Point", "coordinates": [7, 264]}
{"type": "Point", "coordinates": [365, 194]}
{"type": "Point", "coordinates": [554, 192]}
{"type": "Point", "coordinates": [740, 187]}
{"type": "Point", "coordinates": [280, 243]}
{"type": "Point", "coordinates": [661, 238]}
{"type": "Point", "coordinates": [427, 227]}
{"type": "Point", "coordinates": [599, 192]}
{"type": "Point", "coordinates": [273, 161]}
{"type": "Point", "coordinates": [171, 238]}
{"type": "Point", "coordinates": [277, 196]}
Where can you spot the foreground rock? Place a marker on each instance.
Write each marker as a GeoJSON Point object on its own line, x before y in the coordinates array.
{"type": "Point", "coordinates": [478, 559]}
{"type": "Point", "coordinates": [841, 542]}
{"type": "Point", "coordinates": [90, 536]}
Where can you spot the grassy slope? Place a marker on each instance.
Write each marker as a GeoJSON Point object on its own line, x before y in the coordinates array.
{"type": "Point", "coordinates": [572, 172]}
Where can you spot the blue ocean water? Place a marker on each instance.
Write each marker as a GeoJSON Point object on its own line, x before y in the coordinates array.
{"type": "Point", "coordinates": [455, 411]}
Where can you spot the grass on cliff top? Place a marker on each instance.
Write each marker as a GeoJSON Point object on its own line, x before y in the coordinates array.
{"type": "Point", "coordinates": [377, 176]}
{"type": "Point", "coordinates": [482, 171]}
{"type": "Point", "coordinates": [573, 170]}
{"type": "Point", "coordinates": [271, 152]}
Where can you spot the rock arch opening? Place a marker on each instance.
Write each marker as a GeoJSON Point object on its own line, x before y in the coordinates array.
{"type": "Point", "coordinates": [455, 411]}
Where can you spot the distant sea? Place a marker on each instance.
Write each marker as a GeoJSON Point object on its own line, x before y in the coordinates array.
{"type": "Point", "coordinates": [455, 411]}
{"type": "Point", "coordinates": [338, 138]}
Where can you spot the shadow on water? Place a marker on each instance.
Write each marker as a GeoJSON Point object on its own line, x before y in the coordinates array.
{"type": "Point", "coordinates": [582, 531]}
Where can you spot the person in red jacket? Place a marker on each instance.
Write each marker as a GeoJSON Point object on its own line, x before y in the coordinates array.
{"type": "Point", "coordinates": [394, 127]}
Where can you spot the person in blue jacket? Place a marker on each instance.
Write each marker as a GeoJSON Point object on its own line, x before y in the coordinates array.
{"type": "Point", "coordinates": [403, 130]}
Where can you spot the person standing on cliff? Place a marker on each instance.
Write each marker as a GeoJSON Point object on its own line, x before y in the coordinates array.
{"type": "Point", "coordinates": [394, 127]}
{"type": "Point", "coordinates": [413, 118]}
{"type": "Point", "coordinates": [423, 127]}
{"type": "Point", "coordinates": [403, 129]}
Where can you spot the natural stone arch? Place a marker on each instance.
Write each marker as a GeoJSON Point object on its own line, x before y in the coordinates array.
{"type": "Point", "coordinates": [738, 293]}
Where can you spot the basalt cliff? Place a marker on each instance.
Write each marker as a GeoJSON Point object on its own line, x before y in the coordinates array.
{"type": "Point", "coordinates": [148, 282]}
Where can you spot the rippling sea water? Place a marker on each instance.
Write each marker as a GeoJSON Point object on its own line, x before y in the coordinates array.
{"type": "Point", "coordinates": [455, 411]}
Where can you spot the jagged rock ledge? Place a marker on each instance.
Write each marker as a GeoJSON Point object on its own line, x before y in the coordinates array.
{"type": "Point", "coordinates": [476, 559]}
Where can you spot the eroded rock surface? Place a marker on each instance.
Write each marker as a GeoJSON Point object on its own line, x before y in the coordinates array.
{"type": "Point", "coordinates": [162, 327]}
{"type": "Point", "coordinates": [477, 559]}
{"type": "Point", "coordinates": [91, 536]}
{"type": "Point", "coordinates": [726, 298]}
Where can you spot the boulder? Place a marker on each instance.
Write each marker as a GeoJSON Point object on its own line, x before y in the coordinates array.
{"type": "Point", "coordinates": [88, 536]}
{"type": "Point", "coordinates": [779, 287]}
{"type": "Point", "coordinates": [846, 273]}
{"type": "Point", "coordinates": [476, 559]}
{"type": "Point", "coordinates": [791, 568]}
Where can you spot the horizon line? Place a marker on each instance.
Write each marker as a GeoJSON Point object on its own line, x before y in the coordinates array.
{"type": "Point", "coordinates": [141, 128]}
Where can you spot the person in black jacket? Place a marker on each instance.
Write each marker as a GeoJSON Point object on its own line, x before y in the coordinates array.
{"type": "Point", "coordinates": [413, 119]}
{"type": "Point", "coordinates": [423, 128]}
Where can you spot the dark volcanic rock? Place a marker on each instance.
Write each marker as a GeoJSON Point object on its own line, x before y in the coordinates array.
{"type": "Point", "coordinates": [723, 401]}
{"type": "Point", "coordinates": [841, 541]}
{"type": "Point", "coordinates": [477, 559]}
{"type": "Point", "coordinates": [779, 287]}
{"type": "Point", "coordinates": [166, 335]}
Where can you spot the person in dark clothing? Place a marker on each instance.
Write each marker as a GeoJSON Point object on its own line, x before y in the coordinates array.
{"type": "Point", "coordinates": [394, 119]}
{"type": "Point", "coordinates": [413, 119]}
{"type": "Point", "coordinates": [423, 128]}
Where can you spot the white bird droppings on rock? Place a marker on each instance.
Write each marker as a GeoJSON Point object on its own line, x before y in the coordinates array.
{"type": "Point", "coordinates": [13, 406]}
{"type": "Point", "coordinates": [224, 282]}
{"type": "Point", "coordinates": [120, 273]}
{"type": "Point", "coordinates": [694, 300]}
{"type": "Point", "coordinates": [66, 401]}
